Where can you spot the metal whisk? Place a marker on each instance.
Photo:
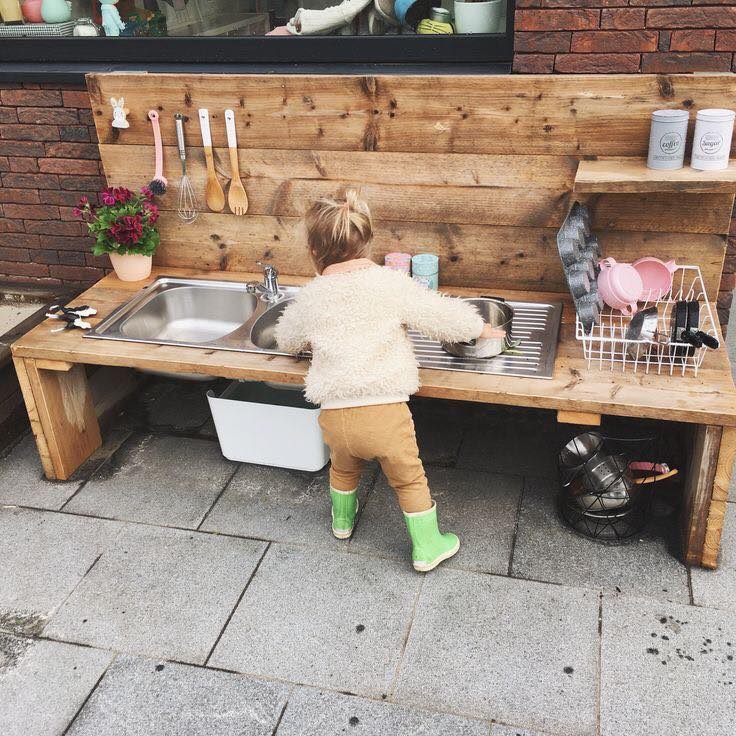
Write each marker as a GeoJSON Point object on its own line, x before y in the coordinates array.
{"type": "Point", "coordinates": [188, 207]}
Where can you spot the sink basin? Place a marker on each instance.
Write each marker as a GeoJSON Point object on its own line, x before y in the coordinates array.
{"type": "Point", "coordinates": [262, 334]}
{"type": "Point", "coordinates": [190, 314]}
{"type": "Point", "coordinates": [196, 313]}
{"type": "Point", "coordinates": [223, 315]}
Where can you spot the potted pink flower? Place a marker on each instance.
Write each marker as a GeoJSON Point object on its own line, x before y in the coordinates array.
{"type": "Point", "coordinates": [124, 227]}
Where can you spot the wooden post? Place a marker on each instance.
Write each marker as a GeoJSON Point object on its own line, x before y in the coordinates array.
{"type": "Point", "coordinates": [703, 465]}
{"type": "Point", "coordinates": [62, 416]}
{"type": "Point", "coordinates": [717, 511]}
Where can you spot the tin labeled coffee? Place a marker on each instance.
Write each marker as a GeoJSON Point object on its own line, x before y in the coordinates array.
{"type": "Point", "coordinates": [712, 139]}
{"type": "Point", "coordinates": [667, 138]}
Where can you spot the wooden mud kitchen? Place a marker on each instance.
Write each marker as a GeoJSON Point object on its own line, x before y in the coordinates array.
{"type": "Point", "coordinates": [481, 170]}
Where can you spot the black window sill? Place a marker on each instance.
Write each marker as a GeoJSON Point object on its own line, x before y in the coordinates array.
{"type": "Point", "coordinates": [73, 73]}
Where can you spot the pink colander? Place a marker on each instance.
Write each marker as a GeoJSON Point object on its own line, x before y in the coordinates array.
{"type": "Point", "coordinates": [620, 285]}
{"type": "Point", "coordinates": [656, 276]}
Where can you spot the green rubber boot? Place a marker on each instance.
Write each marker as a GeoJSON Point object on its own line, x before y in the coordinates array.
{"type": "Point", "coordinates": [429, 545]}
{"type": "Point", "coordinates": [344, 509]}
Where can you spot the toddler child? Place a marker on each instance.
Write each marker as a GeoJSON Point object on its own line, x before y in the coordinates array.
{"type": "Point", "coordinates": [354, 316]}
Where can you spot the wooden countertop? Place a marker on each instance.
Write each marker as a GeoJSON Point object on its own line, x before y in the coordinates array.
{"type": "Point", "coordinates": [708, 398]}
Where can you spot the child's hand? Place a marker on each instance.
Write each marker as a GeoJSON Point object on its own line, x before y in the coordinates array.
{"type": "Point", "coordinates": [490, 332]}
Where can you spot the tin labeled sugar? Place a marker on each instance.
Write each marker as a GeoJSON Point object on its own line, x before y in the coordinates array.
{"type": "Point", "coordinates": [712, 139]}
{"type": "Point", "coordinates": [667, 138]}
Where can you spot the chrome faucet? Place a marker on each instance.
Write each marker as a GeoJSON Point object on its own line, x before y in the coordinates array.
{"type": "Point", "coordinates": [269, 289]}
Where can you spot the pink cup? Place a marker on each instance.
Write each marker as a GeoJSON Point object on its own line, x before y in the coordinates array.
{"type": "Point", "coordinates": [620, 285]}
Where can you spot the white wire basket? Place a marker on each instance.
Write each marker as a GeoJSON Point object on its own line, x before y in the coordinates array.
{"type": "Point", "coordinates": [607, 347]}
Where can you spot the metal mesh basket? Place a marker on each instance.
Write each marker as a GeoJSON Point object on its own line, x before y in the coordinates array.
{"type": "Point", "coordinates": [607, 485]}
{"type": "Point", "coordinates": [607, 346]}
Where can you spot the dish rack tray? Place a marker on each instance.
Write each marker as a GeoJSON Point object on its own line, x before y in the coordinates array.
{"type": "Point", "coordinates": [607, 347]}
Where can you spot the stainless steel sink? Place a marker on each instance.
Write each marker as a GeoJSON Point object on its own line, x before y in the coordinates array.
{"type": "Point", "coordinates": [262, 333]}
{"type": "Point", "coordinates": [200, 313]}
{"type": "Point", "coordinates": [224, 315]}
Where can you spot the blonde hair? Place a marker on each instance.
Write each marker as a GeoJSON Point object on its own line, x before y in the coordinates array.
{"type": "Point", "coordinates": [338, 229]}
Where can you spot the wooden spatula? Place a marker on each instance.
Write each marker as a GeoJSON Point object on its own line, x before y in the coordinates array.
{"type": "Point", "coordinates": [213, 194]}
{"type": "Point", "coordinates": [237, 199]}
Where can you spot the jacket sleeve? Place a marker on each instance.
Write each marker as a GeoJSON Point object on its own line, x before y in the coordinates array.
{"type": "Point", "coordinates": [437, 316]}
{"type": "Point", "coordinates": [291, 329]}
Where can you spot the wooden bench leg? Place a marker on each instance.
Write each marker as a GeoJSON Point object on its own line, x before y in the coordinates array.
{"type": "Point", "coordinates": [706, 492]}
{"type": "Point", "coordinates": [62, 416]}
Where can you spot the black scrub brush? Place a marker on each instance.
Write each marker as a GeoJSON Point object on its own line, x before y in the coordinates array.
{"type": "Point", "coordinates": [158, 183]}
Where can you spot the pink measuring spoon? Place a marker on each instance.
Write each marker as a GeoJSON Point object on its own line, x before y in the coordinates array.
{"type": "Point", "coordinates": [158, 183]}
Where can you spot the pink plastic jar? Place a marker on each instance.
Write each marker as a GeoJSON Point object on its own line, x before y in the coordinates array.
{"type": "Point", "coordinates": [398, 262]}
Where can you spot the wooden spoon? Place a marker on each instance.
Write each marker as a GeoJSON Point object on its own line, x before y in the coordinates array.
{"type": "Point", "coordinates": [237, 199]}
{"type": "Point", "coordinates": [213, 194]}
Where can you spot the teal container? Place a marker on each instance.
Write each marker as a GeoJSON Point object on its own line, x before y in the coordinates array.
{"type": "Point", "coordinates": [425, 268]}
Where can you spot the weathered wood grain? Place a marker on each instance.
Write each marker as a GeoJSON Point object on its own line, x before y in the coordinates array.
{"type": "Point", "coordinates": [577, 114]}
{"type": "Point", "coordinates": [719, 498]}
{"type": "Point", "coordinates": [630, 175]}
{"type": "Point", "coordinates": [484, 255]}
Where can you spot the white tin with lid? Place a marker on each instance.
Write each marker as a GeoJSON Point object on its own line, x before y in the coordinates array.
{"type": "Point", "coordinates": [712, 139]}
{"type": "Point", "coordinates": [667, 138]}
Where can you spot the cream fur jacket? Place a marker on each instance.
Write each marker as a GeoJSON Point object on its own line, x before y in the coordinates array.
{"type": "Point", "coordinates": [354, 319]}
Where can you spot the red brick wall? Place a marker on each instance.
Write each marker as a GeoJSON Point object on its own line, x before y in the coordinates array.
{"type": "Point", "coordinates": [48, 159]}
{"type": "Point", "coordinates": [624, 36]}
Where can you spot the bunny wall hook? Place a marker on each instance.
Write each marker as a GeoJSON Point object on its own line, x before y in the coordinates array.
{"type": "Point", "coordinates": [119, 113]}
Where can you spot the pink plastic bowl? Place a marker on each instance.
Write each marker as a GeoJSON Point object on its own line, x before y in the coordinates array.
{"type": "Point", "coordinates": [656, 276]}
{"type": "Point", "coordinates": [620, 285]}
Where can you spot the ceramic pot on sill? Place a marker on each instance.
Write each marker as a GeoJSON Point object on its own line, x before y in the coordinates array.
{"type": "Point", "coordinates": [10, 11]}
{"type": "Point", "coordinates": [131, 267]}
{"type": "Point", "coordinates": [56, 11]}
{"type": "Point", "coordinates": [478, 17]}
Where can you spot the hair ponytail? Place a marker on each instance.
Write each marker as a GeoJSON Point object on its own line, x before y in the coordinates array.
{"type": "Point", "coordinates": [338, 229]}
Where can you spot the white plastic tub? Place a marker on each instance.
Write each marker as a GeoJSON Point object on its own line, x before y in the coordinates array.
{"type": "Point", "coordinates": [257, 423]}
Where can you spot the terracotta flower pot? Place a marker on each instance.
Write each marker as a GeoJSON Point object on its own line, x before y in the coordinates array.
{"type": "Point", "coordinates": [132, 267]}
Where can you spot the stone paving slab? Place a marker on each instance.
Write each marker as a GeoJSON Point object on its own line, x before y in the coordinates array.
{"type": "Point", "coordinates": [44, 683]}
{"type": "Point", "coordinates": [43, 557]}
{"type": "Point", "coordinates": [546, 549]}
{"type": "Point", "coordinates": [163, 480]}
{"type": "Point", "coordinates": [142, 697]}
{"type": "Point", "coordinates": [281, 505]}
{"type": "Point", "coordinates": [316, 713]}
{"type": "Point", "coordinates": [717, 588]}
{"type": "Point", "coordinates": [22, 482]}
{"type": "Point", "coordinates": [500, 730]}
{"type": "Point", "coordinates": [667, 669]}
{"type": "Point", "coordinates": [480, 507]}
{"type": "Point", "coordinates": [321, 618]}
{"type": "Point", "coordinates": [159, 593]}
{"type": "Point", "coordinates": [518, 652]}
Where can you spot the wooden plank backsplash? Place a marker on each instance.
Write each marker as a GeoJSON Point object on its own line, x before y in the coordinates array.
{"type": "Point", "coordinates": [478, 169]}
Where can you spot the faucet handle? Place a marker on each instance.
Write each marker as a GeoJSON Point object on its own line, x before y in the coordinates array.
{"type": "Point", "coordinates": [268, 267]}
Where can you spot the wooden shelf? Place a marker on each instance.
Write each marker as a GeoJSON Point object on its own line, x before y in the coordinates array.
{"type": "Point", "coordinates": [630, 175]}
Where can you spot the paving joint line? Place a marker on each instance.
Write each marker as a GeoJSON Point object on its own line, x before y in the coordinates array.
{"type": "Point", "coordinates": [402, 651]}
{"type": "Point", "coordinates": [517, 519]}
{"type": "Point", "coordinates": [237, 603]}
{"type": "Point", "coordinates": [89, 695]}
{"type": "Point", "coordinates": [218, 497]}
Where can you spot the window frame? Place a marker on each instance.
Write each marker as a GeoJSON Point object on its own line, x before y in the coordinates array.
{"type": "Point", "coordinates": [409, 49]}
